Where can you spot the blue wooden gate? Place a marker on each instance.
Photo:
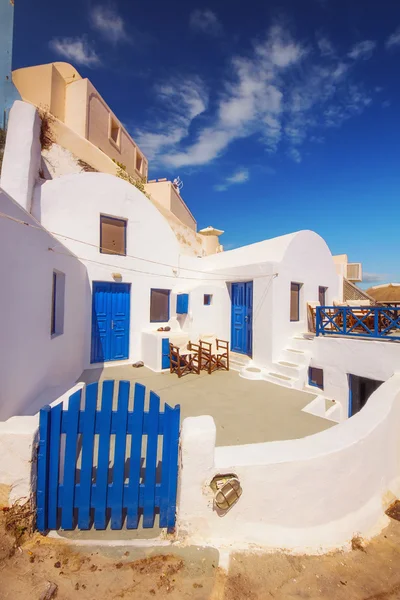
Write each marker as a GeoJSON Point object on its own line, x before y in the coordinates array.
{"type": "Point", "coordinates": [94, 465]}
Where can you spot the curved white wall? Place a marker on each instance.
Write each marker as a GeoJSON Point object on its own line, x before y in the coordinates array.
{"type": "Point", "coordinates": [71, 206]}
{"type": "Point", "coordinates": [310, 494]}
{"type": "Point", "coordinates": [309, 261]}
{"type": "Point", "coordinates": [34, 367]}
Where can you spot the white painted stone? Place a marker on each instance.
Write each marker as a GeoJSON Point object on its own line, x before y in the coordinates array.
{"type": "Point", "coordinates": [59, 161]}
{"type": "Point", "coordinates": [21, 161]}
{"type": "Point", "coordinates": [18, 439]}
{"type": "Point", "coordinates": [306, 495]}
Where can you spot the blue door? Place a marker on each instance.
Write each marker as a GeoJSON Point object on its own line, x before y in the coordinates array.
{"type": "Point", "coordinates": [110, 321]}
{"type": "Point", "coordinates": [242, 317]}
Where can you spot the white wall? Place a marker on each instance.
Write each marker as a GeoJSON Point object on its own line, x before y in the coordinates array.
{"type": "Point", "coordinates": [18, 438]}
{"type": "Point", "coordinates": [340, 356]}
{"type": "Point", "coordinates": [71, 206]}
{"type": "Point", "coordinates": [32, 364]}
{"type": "Point", "coordinates": [302, 257]}
{"type": "Point", "coordinates": [307, 260]}
{"type": "Point", "coordinates": [21, 160]}
{"type": "Point", "coordinates": [304, 495]}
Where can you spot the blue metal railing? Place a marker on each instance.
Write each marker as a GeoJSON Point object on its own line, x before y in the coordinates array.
{"type": "Point", "coordinates": [380, 322]}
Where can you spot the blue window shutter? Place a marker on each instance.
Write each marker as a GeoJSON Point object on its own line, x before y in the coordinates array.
{"type": "Point", "coordinates": [165, 353]}
{"type": "Point", "coordinates": [182, 304]}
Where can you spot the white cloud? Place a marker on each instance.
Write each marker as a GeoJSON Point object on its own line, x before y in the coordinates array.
{"type": "Point", "coordinates": [362, 50]}
{"type": "Point", "coordinates": [78, 50]}
{"type": "Point", "coordinates": [282, 92]}
{"type": "Point", "coordinates": [325, 46]}
{"type": "Point", "coordinates": [182, 102]}
{"type": "Point", "coordinates": [108, 23]}
{"type": "Point", "coordinates": [374, 277]}
{"type": "Point", "coordinates": [205, 21]}
{"type": "Point", "coordinates": [394, 39]}
{"type": "Point", "coordinates": [240, 176]}
{"type": "Point", "coordinates": [295, 155]}
{"type": "Point", "coordinates": [250, 102]}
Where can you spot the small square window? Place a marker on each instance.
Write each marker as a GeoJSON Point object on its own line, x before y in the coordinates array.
{"type": "Point", "coordinates": [322, 295]}
{"type": "Point", "coordinates": [139, 162]}
{"type": "Point", "coordinates": [115, 130]}
{"type": "Point", "coordinates": [207, 299]}
{"type": "Point", "coordinates": [316, 377]}
{"type": "Point", "coordinates": [295, 301]}
{"type": "Point", "coordinates": [159, 306]}
{"type": "Point", "coordinates": [112, 235]}
{"type": "Point", "coordinates": [57, 304]}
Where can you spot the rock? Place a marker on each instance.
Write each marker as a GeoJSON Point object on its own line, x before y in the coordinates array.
{"type": "Point", "coordinates": [50, 592]}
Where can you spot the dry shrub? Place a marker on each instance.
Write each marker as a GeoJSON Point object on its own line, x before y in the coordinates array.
{"type": "Point", "coordinates": [47, 138]}
{"type": "Point", "coordinates": [86, 167]}
{"type": "Point", "coordinates": [19, 521]}
{"type": "Point", "coordinates": [139, 184]}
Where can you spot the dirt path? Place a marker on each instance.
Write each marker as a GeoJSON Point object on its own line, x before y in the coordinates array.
{"type": "Point", "coordinates": [371, 573]}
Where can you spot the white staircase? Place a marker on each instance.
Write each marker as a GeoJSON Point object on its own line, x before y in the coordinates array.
{"type": "Point", "coordinates": [291, 370]}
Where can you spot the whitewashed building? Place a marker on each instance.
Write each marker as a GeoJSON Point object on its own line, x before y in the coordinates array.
{"type": "Point", "coordinates": [91, 268]}
{"type": "Point", "coordinates": [115, 269]}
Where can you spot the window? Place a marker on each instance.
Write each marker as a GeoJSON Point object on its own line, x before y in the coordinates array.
{"type": "Point", "coordinates": [139, 162]}
{"type": "Point", "coordinates": [207, 299]}
{"type": "Point", "coordinates": [322, 295]}
{"type": "Point", "coordinates": [159, 306]}
{"type": "Point", "coordinates": [295, 301]}
{"type": "Point", "coordinates": [115, 131]}
{"type": "Point", "coordinates": [57, 304]}
{"type": "Point", "coordinates": [316, 377]}
{"type": "Point", "coordinates": [112, 235]}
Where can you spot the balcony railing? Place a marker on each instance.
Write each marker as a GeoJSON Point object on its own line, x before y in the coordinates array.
{"type": "Point", "coordinates": [378, 322]}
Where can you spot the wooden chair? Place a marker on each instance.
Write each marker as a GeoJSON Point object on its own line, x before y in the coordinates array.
{"type": "Point", "coordinates": [208, 359]}
{"type": "Point", "coordinates": [195, 353]}
{"type": "Point", "coordinates": [213, 362]}
{"type": "Point", "coordinates": [222, 355]}
{"type": "Point", "coordinates": [183, 363]}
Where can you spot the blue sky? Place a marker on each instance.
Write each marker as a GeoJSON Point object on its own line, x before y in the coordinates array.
{"type": "Point", "coordinates": [277, 116]}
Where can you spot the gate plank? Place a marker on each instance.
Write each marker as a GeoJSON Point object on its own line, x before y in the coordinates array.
{"type": "Point", "coordinates": [173, 466]}
{"type": "Point", "coordinates": [54, 464]}
{"type": "Point", "coordinates": [88, 418]}
{"type": "Point", "coordinates": [151, 462]}
{"type": "Point", "coordinates": [116, 489]}
{"type": "Point", "coordinates": [71, 430]}
{"type": "Point", "coordinates": [164, 489]}
{"type": "Point", "coordinates": [42, 473]}
{"type": "Point", "coordinates": [100, 491]}
{"type": "Point", "coordinates": [131, 500]}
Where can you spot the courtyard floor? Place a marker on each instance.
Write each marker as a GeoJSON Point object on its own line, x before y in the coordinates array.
{"type": "Point", "coordinates": [244, 411]}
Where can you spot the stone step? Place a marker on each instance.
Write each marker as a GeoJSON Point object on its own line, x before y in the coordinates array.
{"type": "Point", "coordinates": [299, 342]}
{"type": "Point", "coordinates": [296, 356]}
{"type": "Point", "coordinates": [251, 373]}
{"type": "Point", "coordinates": [279, 379]}
{"type": "Point", "coordinates": [287, 368]}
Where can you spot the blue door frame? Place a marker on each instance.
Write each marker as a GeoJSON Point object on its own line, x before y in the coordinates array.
{"type": "Point", "coordinates": [110, 321]}
{"type": "Point", "coordinates": [242, 317]}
